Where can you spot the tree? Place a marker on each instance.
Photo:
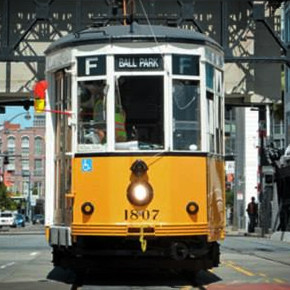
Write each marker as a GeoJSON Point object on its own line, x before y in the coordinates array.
{"type": "Point", "coordinates": [6, 203]}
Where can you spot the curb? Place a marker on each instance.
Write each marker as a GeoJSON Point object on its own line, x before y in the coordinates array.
{"type": "Point", "coordinates": [281, 237]}
{"type": "Point", "coordinates": [28, 230]}
{"type": "Point", "coordinates": [277, 236]}
{"type": "Point", "coordinates": [7, 233]}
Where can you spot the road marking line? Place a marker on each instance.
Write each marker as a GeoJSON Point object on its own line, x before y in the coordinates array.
{"type": "Point", "coordinates": [33, 253]}
{"type": "Point", "coordinates": [7, 265]}
{"type": "Point", "coordinates": [279, 281]}
{"type": "Point", "coordinates": [274, 279]}
{"type": "Point", "coordinates": [240, 269]}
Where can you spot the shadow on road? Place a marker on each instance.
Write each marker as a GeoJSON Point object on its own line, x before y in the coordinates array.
{"type": "Point", "coordinates": [129, 277]}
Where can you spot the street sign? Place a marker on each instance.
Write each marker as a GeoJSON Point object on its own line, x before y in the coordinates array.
{"type": "Point", "coordinates": [240, 196]}
{"type": "Point", "coordinates": [87, 165]}
{"type": "Point", "coordinates": [33, 201]}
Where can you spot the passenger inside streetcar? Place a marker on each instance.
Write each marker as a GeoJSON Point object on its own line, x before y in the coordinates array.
{"type": "Point", "coordinates": [92, 112]}
{"type": "Point", "coordinates": [141, 97]}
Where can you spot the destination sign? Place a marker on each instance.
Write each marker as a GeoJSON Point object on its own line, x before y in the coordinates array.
{"type": "Point", "coordinates": [138, 62]}
{"type": "Point", "coordinates": [185, 64]}
{"type": "Point", "coordinates": [92, 65]}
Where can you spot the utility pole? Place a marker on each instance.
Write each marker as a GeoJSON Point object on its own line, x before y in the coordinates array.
{"type": "Point", "coordinates": [239, 169]}
{"type": "Point", "coordinates": [263, 194]}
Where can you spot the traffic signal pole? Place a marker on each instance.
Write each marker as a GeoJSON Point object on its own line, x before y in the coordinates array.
{"type": "Point", "coordinates": [264, 193]}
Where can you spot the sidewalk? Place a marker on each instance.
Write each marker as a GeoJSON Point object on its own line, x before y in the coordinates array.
{"type": "Point", "coordinates": [277, 236]}
{"type": "Point", "coordinates": [29, 229]}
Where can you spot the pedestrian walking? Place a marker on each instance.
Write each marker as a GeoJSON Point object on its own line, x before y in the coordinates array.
{"type": "Point", "coordinates": [252, 210]}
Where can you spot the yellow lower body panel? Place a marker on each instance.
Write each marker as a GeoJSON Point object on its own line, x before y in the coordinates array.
{"type": "Point", "coordinates": [135, 230]}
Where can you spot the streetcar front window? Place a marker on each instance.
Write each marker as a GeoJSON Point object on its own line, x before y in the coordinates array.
{"type": "Point", "coordinates": [92, 112]}
{"type": "Point", "coordinates": [139, 113]}
{"type": "Point", "coordinates": [186, 115]}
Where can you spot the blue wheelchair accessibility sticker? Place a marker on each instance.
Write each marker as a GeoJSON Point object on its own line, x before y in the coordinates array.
{"type": "Point", "coordinates": [87, 165]}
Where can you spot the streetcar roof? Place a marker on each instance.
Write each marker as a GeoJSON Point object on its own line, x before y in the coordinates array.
{"type": "Point", "coordinates": [134, 32]}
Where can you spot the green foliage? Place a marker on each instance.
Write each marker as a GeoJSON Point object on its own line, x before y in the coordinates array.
{"type": "Point", "coordinates": [34, 191]}
{"type": "Point", "coordinates": [6, 203]}
{"type": "Point", "coordinates": [17, 193]}
{"type": "Point", "coordinates": [278, 110]}
{"type": "Point", "coordinates": [229, 198]}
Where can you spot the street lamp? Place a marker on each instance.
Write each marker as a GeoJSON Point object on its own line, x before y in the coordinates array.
{"type": "Point", "coordinates": [28, 207]}
{"type": "Point", "coordinates": [27, 117]}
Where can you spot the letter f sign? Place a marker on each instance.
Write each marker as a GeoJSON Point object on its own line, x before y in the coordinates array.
{"type": "Point", "coordinates": [90, 64]}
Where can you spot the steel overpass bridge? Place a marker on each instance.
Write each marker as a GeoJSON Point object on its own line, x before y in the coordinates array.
{"type": "Point", "coordinates": [249, 32]}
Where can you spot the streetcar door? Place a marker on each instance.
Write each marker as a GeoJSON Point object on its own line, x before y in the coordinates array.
{"type": "Point", "coordinates": [62, 146]}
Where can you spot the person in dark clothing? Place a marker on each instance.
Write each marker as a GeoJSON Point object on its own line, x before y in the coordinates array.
{"type": "Point", "coordinates": [252, 210]}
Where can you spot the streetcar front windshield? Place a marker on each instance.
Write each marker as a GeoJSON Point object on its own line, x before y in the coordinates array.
{"type": "Point", "coordinates": [138, 114]}
{"type": "Point", "coordinates": [92, 113]}
{"type": "Point", "coordinates": [139, 118]}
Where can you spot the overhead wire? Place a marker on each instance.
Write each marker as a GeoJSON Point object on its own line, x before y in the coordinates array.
{"type": "Point", "coordinates": [153, 34]}
{"type": "Point", "coordinates": [159, 154]}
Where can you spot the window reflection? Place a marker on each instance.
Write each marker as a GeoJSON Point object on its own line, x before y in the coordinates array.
{"type": "Point", "coordinates": [139, 113]}
{"type": "Point", "coordinates": [186, 116]}
{"type": "Point", "coordinates": [92, 112]}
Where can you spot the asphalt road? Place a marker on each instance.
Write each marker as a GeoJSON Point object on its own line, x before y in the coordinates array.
{"type": "Point", "coordinates": [247, 263]}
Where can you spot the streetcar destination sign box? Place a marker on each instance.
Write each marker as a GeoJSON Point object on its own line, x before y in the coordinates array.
{"type": "Point", "coordinates": [96, 64]}
{"type": "Point", "coordinates": [92, 65]}
{"type": "Point", "coordinates": [138, 62]}
{"type": "Point", "coordinates": [185, 64]}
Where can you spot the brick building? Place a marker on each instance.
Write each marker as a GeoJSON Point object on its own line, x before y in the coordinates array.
{"type": "Point", "coordinates": [24, 173]}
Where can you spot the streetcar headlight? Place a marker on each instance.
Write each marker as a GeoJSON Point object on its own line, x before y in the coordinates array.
{"type": "Point", "coordinates": [192, 208]}
{"type": "Point", "coordinates": [87, 208]}
{"type": "Point", "coordinates": [140, 193]}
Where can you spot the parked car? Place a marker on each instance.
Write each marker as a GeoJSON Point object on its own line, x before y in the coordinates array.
{"type": "Point", "coordinates": [38, 219]}
{"type": "Point", "coordinates": [19, 220]}
{"type": "Point", "coordinates": [7, 218]}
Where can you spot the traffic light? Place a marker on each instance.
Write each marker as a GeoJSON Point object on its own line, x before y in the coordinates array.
{"type": "Point", "coordinates": [269, 185]}
{"type": "Point", "coordinates": [39, 95]}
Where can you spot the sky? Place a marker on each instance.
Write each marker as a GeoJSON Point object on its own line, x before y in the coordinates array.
{"type": "Point", "coordinates": [12, 111]}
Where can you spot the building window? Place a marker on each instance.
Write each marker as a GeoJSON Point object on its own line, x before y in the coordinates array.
{"type": "Point", "coordinates": [11, 165]}
{"type": "Point", "coordinates": [11, 145]}
{"type": "Point", "coordinates": [25, 187]}
{"type": "Point", "coordinates": [25, 166]}
{"type": "Point", "coordinates": [25, 145]}
{"type": "Point", "coordinates": [38, 168]}
{"type": "Point", "coordinates": [39, 121]}
{"type": "Point", "coordinates": [38, 144]}
{"type": "Point", "coordinates": [37, 189]}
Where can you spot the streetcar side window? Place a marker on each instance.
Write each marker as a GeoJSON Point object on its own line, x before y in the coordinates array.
{"type": "Point", "coordinates": [186, 115]}
{"type": "Point", "coordinates": [92, 112]}
{"type": "Point", "coordinates": [214, 91]}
